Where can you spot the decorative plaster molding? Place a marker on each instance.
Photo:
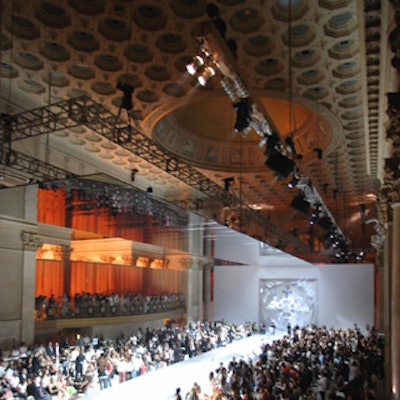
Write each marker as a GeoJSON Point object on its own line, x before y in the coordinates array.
{"type": "Point", "coordinates": [31, 241]}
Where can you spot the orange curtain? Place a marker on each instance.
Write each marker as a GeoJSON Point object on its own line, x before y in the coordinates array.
{"type": "Point", "coordinates": [96, 220]}
{"type": "Point", "coordinates": [128, 279]}
{"type": "Point", "coordinates": [164, 281]}
{"type": "Point", "coordinates": [49, 278]}
{"type": "Point", "coordinates": [92, 278]}
{"type": "Point", "coordinates": [105, 278]}
{"type": "Point", "coordinates": [51, 206]}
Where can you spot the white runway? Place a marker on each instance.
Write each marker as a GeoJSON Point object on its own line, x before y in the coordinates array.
{"type": "Point", "coordinates": [162, 383]}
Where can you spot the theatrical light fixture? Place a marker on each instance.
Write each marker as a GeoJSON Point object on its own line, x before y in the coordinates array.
{"type": "Point", "coordinates": [127, 91]}
{"type": "Point", "coordinates": [280, 164]}
{"type": "Point", "coordinates": [194, 66]}
{"type": "Point", "coordinates": [243, 112]}
{"type": "Point", "coordinates": [319, 153]}
{"type": "Point", "coordinates": [293, 182]}
{"type": "Point", "coordinates": [228, 182]}
{"type": "Point", "coordinates": [335, 193]}
{"type": "Point", "coordinates": [299, 203]}
{"type": "Point", "coordinates": [205, 74]}
{"type": "Point", "coordinates": [134, 171]}
{"type": "Point", "coordinates": [251, 113]}
{"type": "Point", "coordinates": [325, 222]}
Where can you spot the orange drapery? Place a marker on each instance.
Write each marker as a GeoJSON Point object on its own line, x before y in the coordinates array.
{"type": "Point", "coordinates": [104, 279]}
{"type": "Point", "coordinates": [51, 206]}
{"type": "Point", "coordinates": [49, 278]}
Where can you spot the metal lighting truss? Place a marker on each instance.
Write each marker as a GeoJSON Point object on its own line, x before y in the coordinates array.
{"type": "Point", "coordinates": [215, 49]}
{"type": "Point", "coordinates": [24, 167]}
{"type": "Point", "coordinates": [314, 198]}
{"type": "Point", "coordinates": [84, 111]}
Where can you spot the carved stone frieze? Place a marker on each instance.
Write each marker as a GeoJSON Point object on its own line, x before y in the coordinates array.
{"type": "Point", "coordinates": [31, 241]}
{"type": "Point", "coordinates": [197, 263]}
{"type": "Point", "coordinates": [66, 252]}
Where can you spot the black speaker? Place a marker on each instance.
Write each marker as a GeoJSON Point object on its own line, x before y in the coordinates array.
{"type": "Point", "coordinates": [299, 203]}
{"type": "Point", "coordinates": [280, 164]}
{"type": "Point", "coordinates": [325, 222]}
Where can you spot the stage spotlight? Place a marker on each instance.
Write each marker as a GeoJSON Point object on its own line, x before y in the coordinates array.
{"type": "Point", "coordinates": [272, 144]}
{"type": "Point", "coordinates": [243, 111]}
{"type": "Point", "coordinates": [212, 11]}
{"type": "Point", "coordinates": [232, 46]}
{"type": "Point", "coordinates": [293, 182]}
{"type": "Point", "coordinates": [193, 67]}
{"type": "Point", "coordinates": [319, 153]}
{"type": "Point", "coordinates": [280, 164]}
{"type": "Point", "coordinates": [325, 223]}
{"type": "Point", "coordinates": [133, 174]}
{"type": "Point", "coordinates": [335, 193]}
{"type": "Point", "coordinates": [205, 75]}
{"type": "Point", "coordinates": [299, 203]}
{"type": "Point", "coordinates": [127, 91]}
{"type": "Point", "coordinates": [228, 182]}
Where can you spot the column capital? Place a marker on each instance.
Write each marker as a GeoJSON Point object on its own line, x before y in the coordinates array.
{"type": "Point", "coordinates": [395, 205]}
{"type": "Point", "coordinates": [66, 252]}
{"type": "Point", "coordinates": [197, 262]}
{"type": "Point", "coordinates": [31, 241]}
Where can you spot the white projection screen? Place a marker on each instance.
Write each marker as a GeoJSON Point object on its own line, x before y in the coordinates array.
{"type": "Point", "coordinates": [287, 301]}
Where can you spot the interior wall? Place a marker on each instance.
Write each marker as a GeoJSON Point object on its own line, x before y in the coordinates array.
{"type": "Point", "coordinates": [345, 293]}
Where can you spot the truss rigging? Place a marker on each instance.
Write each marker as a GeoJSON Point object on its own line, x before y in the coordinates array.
{"type": "Point", "coordinates": [84, 111]}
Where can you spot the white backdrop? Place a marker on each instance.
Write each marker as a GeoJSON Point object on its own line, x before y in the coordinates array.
{"type": "Point", "coordinates": [345, 292]}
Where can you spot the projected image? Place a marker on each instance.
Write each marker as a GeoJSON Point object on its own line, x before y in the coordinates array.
{"type": "Point", "coordinates": [287, 301]}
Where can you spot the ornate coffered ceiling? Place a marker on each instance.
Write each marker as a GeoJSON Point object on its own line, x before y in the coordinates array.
{"type": "Point", "coordinates": [317, 66]}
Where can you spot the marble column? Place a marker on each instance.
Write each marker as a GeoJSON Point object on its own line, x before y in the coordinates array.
{"type": "Point", "coordinates": [66, 257]}
{"type": "Point", "coordinates": [395, 305]}
{"type": "Point", "coordinates": [387, 303]}
{"type": "Point", "coordinates": [196, 287]}
{"type": "Point", "coordinates": [31, 242]}
{"type": "Point", "coordinates": [192, 289]}
{"type": "Point", "coordinates": [207, 291]}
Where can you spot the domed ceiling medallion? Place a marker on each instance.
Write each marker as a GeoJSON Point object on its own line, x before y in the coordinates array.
{"type": "Point", "coordinates": [22, 28]}
{"type": "Point", "coordinates": [52, 15]}
{"type": "Point", "coordinates": [54, 51]}
{"type": "Point", "coordinates": [138, 53]}
{"type": "Point", "coordinates": [188, 8]}
{"type": "Point", "coordinates": [83, 41]}
{"type": "Point", "coordinates": [108, 62]}
{"type": "Point", "coordinates": [114, 29]}
{"type": "Point", "coordinates": [80, 71]}
{"type": "Point", "coordinates": [171, 43]}
{"type": "Point", "coordinates": [88, 7]}
{"type": "Point", "coordinates": [149, 17]}
{"type": "Point", "coordinates": [28, 61]}
{"type": "Point", "coordinates": [196, 133]}
{"type": "Point", "coordinates": [246, 20]}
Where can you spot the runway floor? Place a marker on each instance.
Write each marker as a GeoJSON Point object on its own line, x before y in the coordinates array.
{"type": "Point", "coordinates": [162, 383]}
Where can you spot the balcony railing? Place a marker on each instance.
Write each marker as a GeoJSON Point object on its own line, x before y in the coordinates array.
{"type": "Point", "coordinates": [98, 309]}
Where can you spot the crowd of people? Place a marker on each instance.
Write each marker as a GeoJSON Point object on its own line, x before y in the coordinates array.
{"type": "Point", "coordinates": [87, 304]}
{"type": "Point", "coordinates": [309, 363]}
{"type": "Point", "coordinates": [305, 364]}
{"type": "Point", "coordinates": [62, 371]}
